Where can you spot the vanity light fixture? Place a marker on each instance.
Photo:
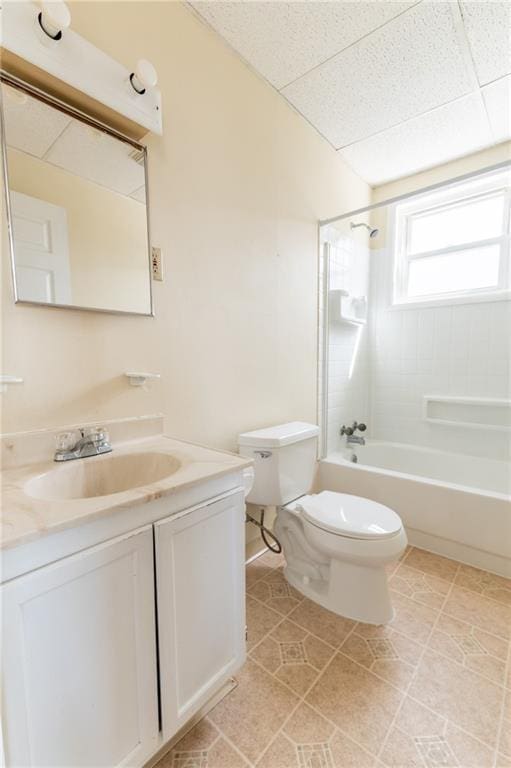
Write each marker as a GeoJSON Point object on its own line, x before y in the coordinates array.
{"type": "Point", "coordinates": [138, 379]}
{"type": "Point", "coordinates": [54, 17]}
{"type": "Point", "coordinates": [144, 77]}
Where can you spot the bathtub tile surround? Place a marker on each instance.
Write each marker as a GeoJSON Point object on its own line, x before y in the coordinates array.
{"type": "Point", "coordinates": [431, 688]}
{"type": "Point", "coordinates": [455, 350]}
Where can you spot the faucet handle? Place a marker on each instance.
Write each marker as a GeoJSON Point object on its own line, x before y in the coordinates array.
{"type": "Point", "coordinates": [346, 430]}
{"type": "Point", "coordinates": [361, 427]}
{"type": "Point", "coordinates": [65, 441]}
{"type": "Point", "coordinates": [96, 434]}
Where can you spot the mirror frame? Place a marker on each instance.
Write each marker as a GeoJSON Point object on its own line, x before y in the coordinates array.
{"type": "Point", "coordinates": [34, 92]}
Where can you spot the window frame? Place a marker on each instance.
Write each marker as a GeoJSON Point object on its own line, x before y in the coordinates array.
{"type": "Point", "coordinates": [494, 185]}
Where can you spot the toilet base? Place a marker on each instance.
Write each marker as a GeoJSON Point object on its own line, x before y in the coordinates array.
{"type": "Point", "coordinates": [360, 593]}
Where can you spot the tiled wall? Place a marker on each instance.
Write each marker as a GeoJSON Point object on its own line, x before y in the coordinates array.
{"type": "Point", "coordinates": [406, 353]}
{"type": "Point", "coordinates": [456, 350]}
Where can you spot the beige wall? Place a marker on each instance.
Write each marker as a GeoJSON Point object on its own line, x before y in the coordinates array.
{"type": "Point", "coordinates": [237, 184]}
{"type": "Point", "coordinates": [107, 234]}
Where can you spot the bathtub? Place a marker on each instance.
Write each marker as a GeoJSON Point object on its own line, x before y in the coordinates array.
{"type": "Point", "coordinates": [456, 505]}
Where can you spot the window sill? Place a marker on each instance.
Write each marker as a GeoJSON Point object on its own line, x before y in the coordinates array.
{"type": "Point", "coordinates": [447, 301]}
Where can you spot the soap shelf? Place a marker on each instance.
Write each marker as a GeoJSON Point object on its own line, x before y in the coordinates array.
{"type": "Point", "coordinates": [488, 413]}
{"type": "Point", "coordinates": [6, 380]}
{"type": "Point", "coordinates": [343, 304]}
{"type": "Point", "coordinates": [138, 378]}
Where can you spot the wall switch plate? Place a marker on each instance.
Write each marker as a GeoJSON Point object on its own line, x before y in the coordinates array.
{"type": "Point", "coordinates": [156, 264]}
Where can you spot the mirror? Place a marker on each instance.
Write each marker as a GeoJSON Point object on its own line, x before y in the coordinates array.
{"type": "Point", "coordinates": [77, 207]}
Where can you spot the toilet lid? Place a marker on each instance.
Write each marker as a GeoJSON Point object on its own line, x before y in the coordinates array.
{"type": "Point", "coordinates": [351, 516]}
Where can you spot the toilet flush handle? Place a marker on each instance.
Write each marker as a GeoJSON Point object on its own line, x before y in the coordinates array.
{"type": "Point", "coordinates": [263, 454]}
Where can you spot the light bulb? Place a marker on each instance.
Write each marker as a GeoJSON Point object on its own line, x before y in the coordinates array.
{"type": "Point", "coordinates": [54, 17]}
{"type": "Point", "coordinates": [144, 76]}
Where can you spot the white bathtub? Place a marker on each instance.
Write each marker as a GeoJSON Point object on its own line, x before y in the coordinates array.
{"type": "Point", "coordinates": [453, 504]}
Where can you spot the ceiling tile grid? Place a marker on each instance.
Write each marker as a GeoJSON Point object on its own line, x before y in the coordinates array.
{"type": "Point", "coordinates": [284, 40]}
{"type": "Point", "coordinates": [94, 155]}
{"type": "Point", "coordinates": [497, 100]}
{"type": "Point", "coordinates": [422, 142]}
{"type": "Point", "coordinates": [488, 28]}
{"type": "Point", "coordinates": [413, 64]}
{"type": "Point", "coordinates": [381, 77]}
{"type": "Point", "coordinates": [30, 125]}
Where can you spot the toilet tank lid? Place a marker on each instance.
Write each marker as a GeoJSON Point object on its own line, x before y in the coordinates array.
{"type": "Point", "coordinates": [282, 434]}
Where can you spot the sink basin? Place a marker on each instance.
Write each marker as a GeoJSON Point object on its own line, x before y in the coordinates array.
{"type": "Point", "coordinates": [102, 476]}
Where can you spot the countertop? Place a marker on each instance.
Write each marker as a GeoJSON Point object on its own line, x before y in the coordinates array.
{"type": "Point", "coordinates": [25, 518]}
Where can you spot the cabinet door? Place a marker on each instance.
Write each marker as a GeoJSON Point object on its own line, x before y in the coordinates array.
{"type": "Point", "coordinates": [200, 582]}
{"type": "Point", "coordinates": [79, 659]}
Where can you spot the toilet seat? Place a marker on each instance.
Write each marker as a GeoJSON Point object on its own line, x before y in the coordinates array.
{"type": "Point", "coordinates": [353, 517]}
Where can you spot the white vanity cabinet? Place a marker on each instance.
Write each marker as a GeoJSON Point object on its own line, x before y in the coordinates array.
{"type": "Point", "coordinates": [201, 611]}
{"type": "Point", "coordinates": [99, 667]}
{"type": "Point", "coordinates": [79, 659]}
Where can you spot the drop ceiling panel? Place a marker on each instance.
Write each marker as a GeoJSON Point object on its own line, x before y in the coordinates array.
{"type": "Point", "coordinates": [497, 99]}
{"type": "Point", "coordinates": [139, 195]}
{"type": "Point", "coordinates": [488, 26]}
{"type": "Point", "coordinates": [30, 125]}
{"type": "Point", "coordinates": [453, 130]}
{"type": "Point", "coordinates": [413, 64]}
{"type": "Point", "coordinates": [282, 40]}
{"type": "Point", "coordinates": [98, 157]}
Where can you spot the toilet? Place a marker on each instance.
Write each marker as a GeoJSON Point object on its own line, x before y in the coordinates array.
{"type": "Point", "coordinates": [336, 545]}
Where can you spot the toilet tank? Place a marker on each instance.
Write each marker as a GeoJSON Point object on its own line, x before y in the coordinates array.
{"type": "Point", "coordinates": [284, 461]}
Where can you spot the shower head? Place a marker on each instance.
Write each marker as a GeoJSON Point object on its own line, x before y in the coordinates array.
{"type": "Point", "coordinates": [373, 231]}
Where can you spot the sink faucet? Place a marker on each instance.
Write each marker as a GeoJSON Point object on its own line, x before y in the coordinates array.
{"type": "Point", "coordinates": [351, 437]}
{"type": "Point", "coordinates": [92, 442]}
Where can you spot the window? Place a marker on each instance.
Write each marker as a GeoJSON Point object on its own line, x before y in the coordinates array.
{"type": "Point", "coordinates": [453, 242]}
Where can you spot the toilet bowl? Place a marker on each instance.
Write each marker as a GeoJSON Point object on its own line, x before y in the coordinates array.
{"type": "Point", "coordinates": [336, 546]}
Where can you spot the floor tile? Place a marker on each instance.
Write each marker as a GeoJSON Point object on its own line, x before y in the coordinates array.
{"type": "Point", "coordinates": [471, 647]}
{"type": "Point", "coordinates": [202, 747]}
{"type": "Point", "coordinates": [324, 624]}
{"type": "Point", "coordinates": [479, 611]}
{"type": "Point", "coordinates": [260, 621]}
{"type": "Point", "coordinates": [505, 736]}
{"type": "Point", "coordinates": [420, 737]}
{"type": "Point", "coordinates": [434, 565]}
{"type": "Point", "coordinates": [347, 754]}
{"type": "Point", "coordinates": [276, 593]}
{"type": "Point", "coordinates": [415, 620]}
{"type": "Point", "coordinates": [420, 586]}
{"type": "Point", "coordinates": [281, 753]}
{"type": "Point", "coordinates": [461, 696]}
{"type": "Point", "coordinates": [260, 567]}
{"type": "Point", "coordinates": [391, 655]}
{"type": "Point", "coordinates": [306, 726]}
{"type": "Point", "coordinates": [293, 655]}
{"type": "Point", "coordinates": [252, 714]}
{"type": "Point", "coordinates": [487, 584]}
{"type": "Point", "coordinates": [360, 704]}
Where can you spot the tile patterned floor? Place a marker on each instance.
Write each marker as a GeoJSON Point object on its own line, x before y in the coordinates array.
{"type": "Point", "coordinates": [430, 689]}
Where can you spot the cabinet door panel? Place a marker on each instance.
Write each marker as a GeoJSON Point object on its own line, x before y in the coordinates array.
{"type": "Point", "coordinates": [79, 659]}
{"type": "Point", "coordinates": [201, 609]}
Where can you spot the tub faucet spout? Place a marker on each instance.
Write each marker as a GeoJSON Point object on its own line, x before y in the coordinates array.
{"type": "Point", "coordinates": [351, 437]}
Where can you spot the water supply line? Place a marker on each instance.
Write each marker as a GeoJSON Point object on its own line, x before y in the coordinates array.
{"type": "Point", "coordinates": [266, 534]}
